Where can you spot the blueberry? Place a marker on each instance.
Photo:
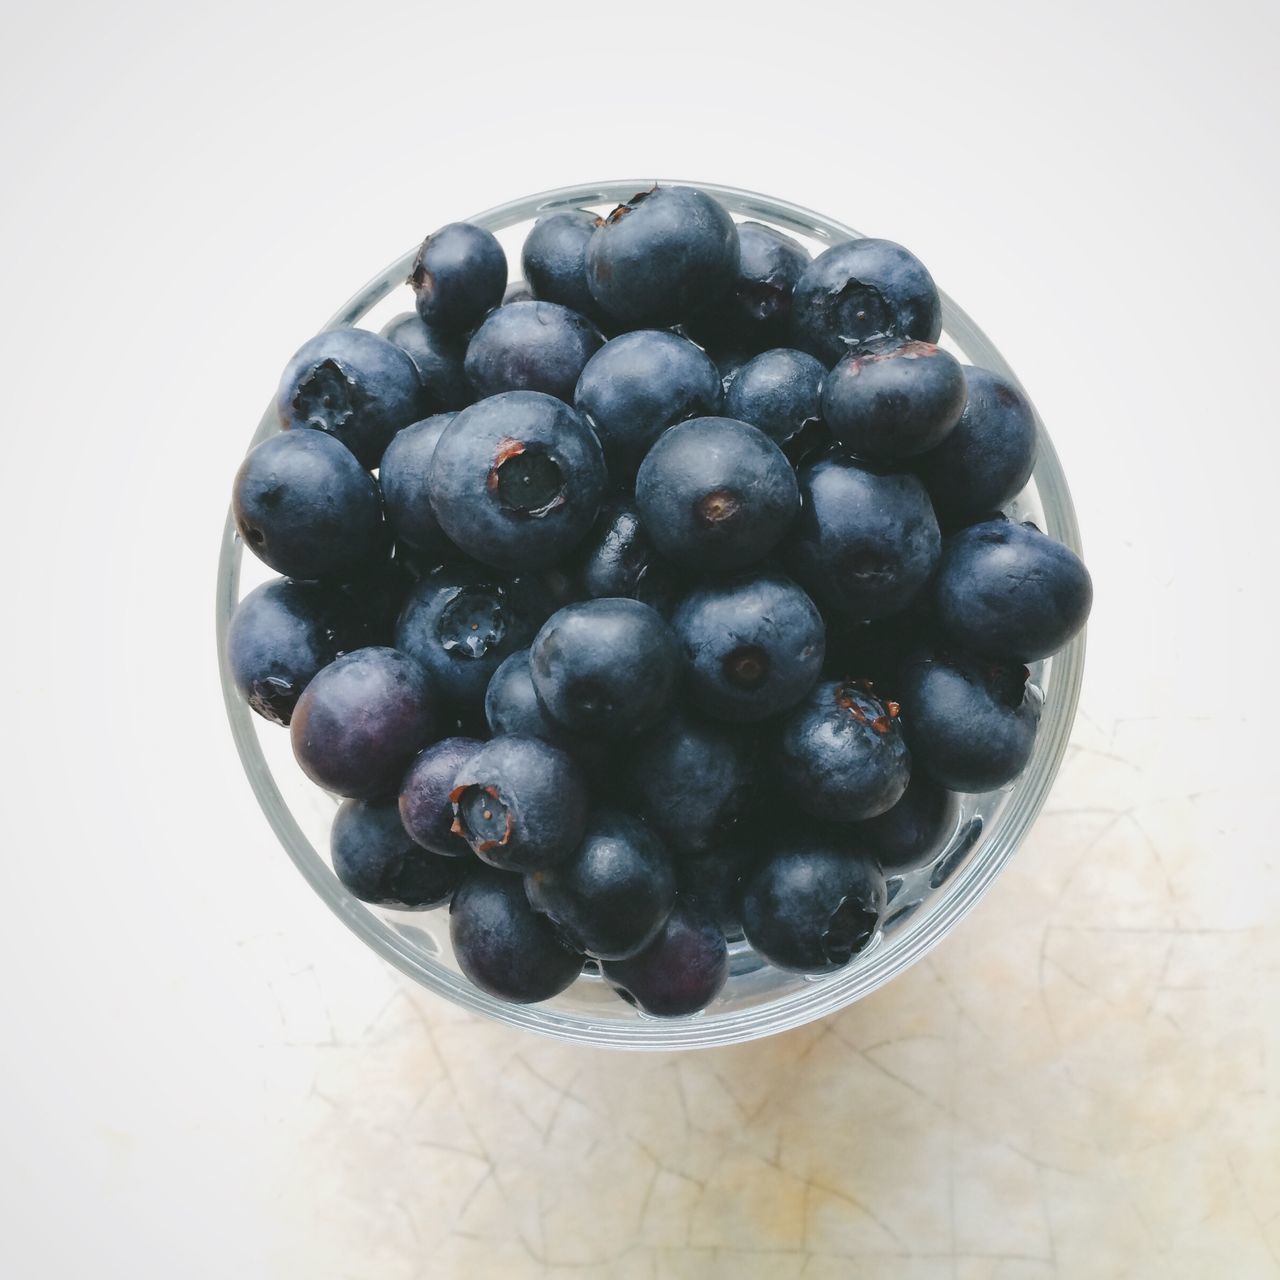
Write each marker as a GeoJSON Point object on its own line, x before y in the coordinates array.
{"type": "Point", "coordinates": [554, 259]}
{"type": "Point", "coordinates": [531, 346]}
{"type": "Point", "coordinates": [841, 756]}
{"type": "Point", "coordinates": [866, 541]}
{"type": "Point", "coordinates": [892, 402]}
{"type": "Point", "coordinates": [617, 559]}
{"type": "Point", "coordinates": [970, 723]}
{"type": "Point", "coordinates": [753, 646]}
{"type": "Point", "coordinates": [605, 668]}
{"type": "Point", "coordinates": [377, 861]}
{"type": "Point", "coordinates": [280, 635]}
{"type": "Point", "coordinates": [680, 972]}
{"type": "Point", "coordinates": [520, 803]}
{"type": "Point", "coordinates": [1006, 590]}
{"type": "Point", "coordinates": [516, 291]}
{"type": "Point", "coordinates": [779, 392]}
{"type": "Point", "coordinates": [425, 805]}
{"type": "Point", "coordinates": [914, 830]}
{"type": "Point", "coordinates": [812, 906]}
{"type": "Point", "coordinates": [691, 781]}
{"type": "Point", "coordinates": [461, 621]}
{"type": "Point", "coordinates": [404, 476]}
{"type": "Point", "coordinates": [458, 276]}
{"type": "Point", "coordinates": [438, 357]}
{"type": "Point", "coordinates": [714, 493]}
{"type": "Point", "coordinates": [662, 256]}
{"type": "Point", "coordinates": [861, 291]}
{"type": "Point", "coordinates": [712, 882]}
{"type": "Point", "coordinates": [756, 311]}
{"type": "Point", "coordinates": [516, 480]}
{"type": "Point", "coordinates": [362, 720]}
{"type": "Point", "coordinates": [503, 945]}
{"type": "Point", "coordinates": [357, 387]}
{"type": "Point", "coordinates": [511, 704]}
{"type": "Point", "coordinates": [989, 456]}
{"type": "Point", "coordinates": [306, 507]}
{"type": "Point", "coordinates": [611, 896]}
{"type": "Point", "coordinates": [638, 385]}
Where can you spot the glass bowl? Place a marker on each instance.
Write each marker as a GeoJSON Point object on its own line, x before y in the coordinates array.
{"type": "Point", "coordinates": [758, 999]}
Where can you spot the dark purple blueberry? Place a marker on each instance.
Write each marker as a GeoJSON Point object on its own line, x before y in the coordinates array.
{"type": "Point", "coordinates": [458, 277]}
{"type": "Point", "coordinates": [520, 803]}
{"type": "Point", "coordinates": [911, 833]}
{"type": "Point", "coordinates": [403, 475]}
{"type": "Point", "coordinates": [502, 945]}
{"type": "Point", "coordinates": [605, 668]}
{"type": "Point", "coordinates": [426, 806]}
{"type": "Point", "coordinates": [810, 906]}
{"type": "Point", "coordinates": [617, 559]}
{"type": "Point", "coordinates": [531, 346]}
{"type": "Point", "coordinates": [376, 860]}
{"type": "Point", "coordinates": [988, 458]}
{"type": "Point", "coordinates": [638, 385]}
{"type": "Point", "coordinates": [355, 386]}
{"type": "Point", "coordinates": [362, 720]}
{"type": "Point", "coordinates": [1006, 590]}
{"type": "Point", "coordinates": [511, 704]}
{"type": "Point", "coordinates": [753, 645]}
{"type": "Point", "coordinates": [554, 259]}
{"type": "Point", "coordinates": [438, 357]}
{"type": "Point", "coordinates": [680, 972]}
{"type": "Point", "coordinates": [517, 479]}
{"type": "Point", "coordinates": [778, 391]}
{"type": "Point", "coordinates": [306, 507]}
{"type": "Point", "coordinates": [859, 292]}
{"type": "Point", "coordinates": [889, 403]}
{"type": "Point", "coordinates": [841, 756]}
{"type": "Point", "coordinates": [661, 257]}
{"type": "Point", "coordinates": [716, 494]}
{"type": "Point", "coordinates": [971, 723]}
{"type": "Point", "coordinates": [712, 882]}
{"type": "Point", "coordinates": [611, 895]}
{"type": "Point", "coordinates": [866, 542]}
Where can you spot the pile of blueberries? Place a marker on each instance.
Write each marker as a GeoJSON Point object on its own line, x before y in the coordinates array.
{"type": "Point", "coordinates": [656, 600]}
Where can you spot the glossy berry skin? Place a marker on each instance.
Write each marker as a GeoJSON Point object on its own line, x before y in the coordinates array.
{"type": "Point", "coordinates": [712, 883]}
{"type": "Point", "coordinates": [362, 720]}
{"type": "Point", "coordinates": [605, 668]}
{"type": "Point", "coordinates": [531, 346]}
{"type": "Point", "coordinates": [503, 945]}
{"type": "Point", "coordinates": [661, 257]}
{"type": "Point", "coordinates": [516, 480]}
{"type": "Point", "coordinates": [752, 645]}
{"type": "Point", "coordinates": [1006, 590]}
{"type": "Point", "coordinates": [404, 475]}
{"type": "Point", "coordinates": [439, 359]}
{"type": "Point", "coordinates": [280, 635]}
{"type": "Point", "coordinates": [811, 906]}
{"type": "Point", "coordinates": [377, 861]}
{"type": "Point", "coordinates": [355, 386]}
{"type": "Point", "coordinates": [859, 292]}
{"type": "Point", "coordinates": [989, 456]}
{"type": "Point", "coordinates": [306, 507]}
{"type": "Point", "coordinates": [894, 403]}
{"type": "Point", "coordinates": [461, 621]}
{"type": "Point", "coordinates": [680, 972]}
{"type": "Point", "coordinates": [511, 704]}
{"type": "Point", "coordinates": [610, 897]}
{"type": "Point", "coordinates": [638, 385]}
{"type": "Point", "coordinates": [970, 723]}
{"type": "Point", "coordinates": [458, 277]}
{"type": "Point", "coordinates": [866, 542]}
{"type": "Point", "coordinates": [912, 833]}
{"type": "Point", "coordinates": [617, 559]}
{"type": "Point", "coordinates": [779, 391]}
{"type": "Point", "coordinates": [755, 312]}
{"type": "Point", "coordinates": [716, 494]}
{"type": "Point", "coordinates": [691, 780]}
{"type": "Point", "coordinates": [841, 756]}
{"type": "Point", "coordinates": [554, 259]}
{"type": "Point", "coordinates": [520, 803]}
{"type": "Point", "coordinates": [425, 807]}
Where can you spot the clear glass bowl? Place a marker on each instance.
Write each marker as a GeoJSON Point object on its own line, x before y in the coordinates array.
{"type": "Point", "coordinates": [758, 999]}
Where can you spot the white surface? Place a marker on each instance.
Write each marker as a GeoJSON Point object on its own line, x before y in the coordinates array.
{"type": "Point", "coordinates": [206, 1075]}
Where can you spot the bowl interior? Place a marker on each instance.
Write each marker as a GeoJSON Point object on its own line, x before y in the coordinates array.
{"type": "Point", "coordinates": [758, 1000]}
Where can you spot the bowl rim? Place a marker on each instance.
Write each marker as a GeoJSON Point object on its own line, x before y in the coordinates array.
{"type": "Point", "coordinates": [816, 999]}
